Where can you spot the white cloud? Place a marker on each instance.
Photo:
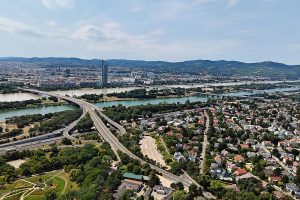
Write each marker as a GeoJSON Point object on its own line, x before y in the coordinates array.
{"type": "Point", "coordinates": [51, 31]}
{"type": "Point", "coordinates": [113, 34]}
{"type": "Point", "coordinates": [172, 9]}
{"type": "Point", "coordinates": [110, 38]}
{"type": "Point", "coordinates": [56, 4]}
{"type": "Point", "coordinates": [51, 22]}
{"type": "Point", "coordinates": [233, 2]}
{"type": "Point", "coordinates": [16, 27]}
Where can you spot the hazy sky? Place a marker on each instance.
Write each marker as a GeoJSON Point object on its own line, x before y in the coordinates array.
{"type": "Point", "coordinates": [173, 30]}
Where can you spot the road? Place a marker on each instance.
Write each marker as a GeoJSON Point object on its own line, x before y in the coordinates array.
{"type": "Point", "coordinates": [109, 137]}
{"type": "Point", "coordinates": [42, 139]}
{"type": "Point", "coordinates": [32, 144]}
{"type": "Point", "coordinates": [278, 161]}
{"type": "Point", "coordinates": [204, 144]}
{"type": "Point", "coordinates": [72, 125]}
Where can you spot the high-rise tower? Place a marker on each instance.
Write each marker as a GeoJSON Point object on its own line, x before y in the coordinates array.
{"type": "Point", "coordinates": [104, 73]}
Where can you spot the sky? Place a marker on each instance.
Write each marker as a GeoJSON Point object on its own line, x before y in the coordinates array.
{"type": "Point", "coordinates": [170, 30]}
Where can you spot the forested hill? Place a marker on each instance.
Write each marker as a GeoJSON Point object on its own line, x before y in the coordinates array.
{"type": "Point", "coordinates": [221, 67]}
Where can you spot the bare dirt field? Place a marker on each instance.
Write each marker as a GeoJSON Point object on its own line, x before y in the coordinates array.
{"type": "Point", "coordinates": [16, 163]}
{"type": "Point", "coordinates": [148, 148]}
{"type": "Point", "coordinates": [164, 181]}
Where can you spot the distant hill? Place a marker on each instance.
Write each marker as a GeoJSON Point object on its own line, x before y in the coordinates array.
{"type": "Point", "coordinates": [221, 67]}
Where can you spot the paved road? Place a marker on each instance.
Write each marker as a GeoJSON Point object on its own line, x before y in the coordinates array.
{"type": "Point", "coordinates": [204, 144]}
{"type": "Point", "coordinates": [72, 125]}
{"type": "Point", "coordinates": [42, 139]}
{"type": "Point", "coordinates": [37, 142]}
{"type": "Point", "coordinates": [31, 140]}
{"type": "Point", "coordinates": [285, 167]}
{"type": "Point", "coordinates": [109, 137]}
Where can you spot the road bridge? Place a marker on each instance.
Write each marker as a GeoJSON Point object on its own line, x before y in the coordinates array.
{"type": "Point", "coordinates": [109, 137]}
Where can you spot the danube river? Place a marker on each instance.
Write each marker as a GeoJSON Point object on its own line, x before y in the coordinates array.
{"type": "Point", "coordinates": [80, 92]}
{"type": "Point", "coordinates": [49, 109]}
{"type": "Point", "coordinates": [27, 96]}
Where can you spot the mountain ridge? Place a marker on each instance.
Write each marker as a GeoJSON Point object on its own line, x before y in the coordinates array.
{"type": "Point", "coordinates": [214, 67]}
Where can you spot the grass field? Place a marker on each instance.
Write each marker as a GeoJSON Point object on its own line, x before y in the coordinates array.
{"type": "Point", "coordinates": [34, 188]}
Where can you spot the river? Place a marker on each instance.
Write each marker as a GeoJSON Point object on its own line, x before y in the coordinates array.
{"type": "Point", "coordinates": [51, 109]}
{"type": "Point", "coordinates": [30, 111]}
{"type": "Point", "coordinates": [79, 92]}
{"type": "Point", "coordinates": [27, 96]}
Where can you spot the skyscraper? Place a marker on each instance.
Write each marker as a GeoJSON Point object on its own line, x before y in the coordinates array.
{"type": "Point", "coordinates": [104, 73]}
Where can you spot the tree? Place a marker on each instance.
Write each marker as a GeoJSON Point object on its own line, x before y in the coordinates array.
{"type": "Point", "coordinates": [233, 195]}
{"type": "Point", "coordinates": [204, 181]}
{"type": "Point", "coordinates": [107, 159]}
{"type": "Point", "coordinates": [216, 187]}
{"type": "Point", "coordinates": [106, 196]}
{"type": "Point", "coordinates": [25, 170]}
{"type": "Point", "coordinates": [66, 141]}
{"type": "Point", "coordinates": [250, 185]}
{"type": "Point", "coordinates": [50, 195]}
{"type": "Point", "coordinates": [297, 177]}
{"type": "Point", "coordinates": [295, 152]}
{"type": "Point", "coordinates": [194, 191]}
{"type": "Point", "coordinates": [176, 167]}
{"type": "Point", "coordinates": [285, 179]}
{"type": "Point", "coordinates": [127, 195]}
{"type": "Point", "coordinates": [275, 152]}
{"type": "Point", "coordinates": [85, 124]}
{"type": "Point", "coordinates": [180, 195]}
{"type": "Point", "coordinates": [70, 194]}
{"type": "Point", "coordinates": [87, 194]}
{"type": "Point", "coordinates": [277, 171]}
{"type": "Point", "coordinates": [74, 173]}
{"type": "Point", "coordinates": [125, 159]}
{"type": "Point", "coordinates": [154, 180]}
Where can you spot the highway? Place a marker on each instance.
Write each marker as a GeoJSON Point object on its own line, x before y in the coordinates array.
{"type": "Point", "coordinates": [109, 137]}
{"type": "Point", "coordinates": [42, 139]}
{"type": "Point", "coordinates": [33, 144]}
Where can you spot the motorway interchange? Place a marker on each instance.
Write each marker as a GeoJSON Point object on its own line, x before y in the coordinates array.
{"type": "Point", "coordinates": [104, 133]}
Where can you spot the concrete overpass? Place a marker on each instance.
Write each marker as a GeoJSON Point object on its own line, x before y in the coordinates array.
{"type": "Point", "coordinates": [109, 137]}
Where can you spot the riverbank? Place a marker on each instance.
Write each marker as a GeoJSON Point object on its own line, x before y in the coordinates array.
{"type": "Point", "coordinates": [128, 103]}
{"type": "Point", "coordinates": [21, 96]}
{"type": "Point", "coordinates": [38, 110]}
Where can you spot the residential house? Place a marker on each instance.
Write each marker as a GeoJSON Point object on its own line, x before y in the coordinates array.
{"type": "Point", "coordinates": [267, 143]}
{"type": "Point", "coordinates": [293, 188]}
{"type": "Point", "coordinates": [165, 193]}
{"type": "Point", "coordinates": [231, 167]}
{"type": "Point", "coordinates": [240, 171]}
{"type": "Point", "coordinates": [239, 158]}
{"type": "Point", "coordinates": [128, 184]}
{"type": "Point", "coordinates": [179, 157]}
{"type": "Point", "coordinates": [249, 166]}
{"type": "Point", "coordinates": [274, 179]}
{"type": "Point", "coordinates": [244, 146]}
{"type": "Point", "coordinates": [251, 154]}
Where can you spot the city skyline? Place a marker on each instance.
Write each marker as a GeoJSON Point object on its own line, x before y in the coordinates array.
{"type": "Point", "coordinates": [176, 30]}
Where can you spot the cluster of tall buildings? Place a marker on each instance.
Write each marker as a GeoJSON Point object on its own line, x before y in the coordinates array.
{"type": "Point", "coordinates": [78, 77]}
